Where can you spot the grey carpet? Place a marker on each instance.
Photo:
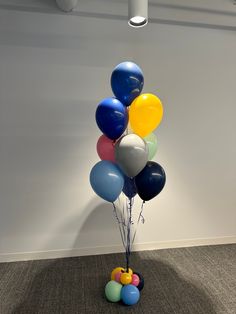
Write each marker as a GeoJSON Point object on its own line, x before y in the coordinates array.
{"type": "Point", "coordinates": [187, 280]}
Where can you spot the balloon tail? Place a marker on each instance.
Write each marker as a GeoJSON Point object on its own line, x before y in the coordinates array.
{"type": "Point", "coordinates": [129, 206]}
{"type": "Point", "coordinates": [120, 223]}
{"type": "Point", "coordinates": [140, 217]}
{"type": "Point", "coordinates": [126, 223]}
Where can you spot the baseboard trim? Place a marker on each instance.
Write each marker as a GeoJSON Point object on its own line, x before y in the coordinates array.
{"type": "Point", "coordinates": [25, 256]}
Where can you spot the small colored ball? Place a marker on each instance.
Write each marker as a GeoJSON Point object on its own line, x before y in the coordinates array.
{"type": "Point", "coordinates": [113, 291]}
{"type": "Point", "coordinates": [130, 294]}
{"type": "Point", "coordinates": [116, 270]}
{"type": "Point", "coordinates": [141, 281]}
{"type": "Point", "coordinates": [117, 276]}
{"type": "Point", "coordinates": [135, 280]}
{"type": "Point", "coordinates": [125, 278]}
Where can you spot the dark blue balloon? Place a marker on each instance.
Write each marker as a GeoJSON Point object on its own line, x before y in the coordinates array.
{"type": "Point", "coordinates": [129, 187]}
{"type": "Point", "coordinates": [112, 117]}
{"type": "Point", "coordinates": [150, 181]}
{"type": "Point", "coordinates": [127, 82]}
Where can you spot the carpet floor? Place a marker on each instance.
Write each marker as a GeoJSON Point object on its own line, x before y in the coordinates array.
{"type": "Point", "coordinates": [187, 280]}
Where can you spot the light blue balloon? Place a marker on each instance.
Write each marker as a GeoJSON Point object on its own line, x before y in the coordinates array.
{"type": "Point", "coordinates": [130, 294]}
{"type": "Point", "coordinates": [107, 180]}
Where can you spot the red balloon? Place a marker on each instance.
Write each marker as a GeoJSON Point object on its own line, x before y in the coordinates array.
{"type": "Point", "coordinates": [105, 148]}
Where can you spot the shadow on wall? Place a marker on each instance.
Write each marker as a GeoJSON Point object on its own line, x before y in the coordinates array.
{"type": "Point", "coordinates": [76, 285]}
{"type": "Point", "coordinates": [85, 229]}
{"type": "Point", "coordinates": [98, 224]}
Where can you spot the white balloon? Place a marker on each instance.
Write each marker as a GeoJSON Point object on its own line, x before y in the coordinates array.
{"type": "Point", "coordinates": [131, 153]}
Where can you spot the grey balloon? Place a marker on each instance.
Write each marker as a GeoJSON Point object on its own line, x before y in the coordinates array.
{"type": "Point", "coordinates": [131, 153]}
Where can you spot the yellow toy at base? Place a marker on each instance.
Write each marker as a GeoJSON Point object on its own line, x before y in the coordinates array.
{"type": "Point", "coordinates": [119, 269]}
{"type": "Point", "coordinates": [125, 278]}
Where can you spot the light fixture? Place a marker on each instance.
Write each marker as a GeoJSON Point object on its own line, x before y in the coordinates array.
{"type": "Point", "coordinates": [138, 13]}
{"type": "Point", "coordinates": [67, 5]}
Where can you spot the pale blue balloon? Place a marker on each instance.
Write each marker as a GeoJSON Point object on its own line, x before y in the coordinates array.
{"type": "Point", "coordinates": [107, 180]}
{"type": "Point", "coordinates": [130, 294]}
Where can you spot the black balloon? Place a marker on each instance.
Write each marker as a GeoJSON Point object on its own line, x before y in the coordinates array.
{"type": "Point", "coordinates": [150, 181]}
{"type": "Point", "coordinates": [141, 282]}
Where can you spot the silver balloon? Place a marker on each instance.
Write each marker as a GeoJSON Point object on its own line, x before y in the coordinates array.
{"type": "Point", "coordinates": [131, 153]}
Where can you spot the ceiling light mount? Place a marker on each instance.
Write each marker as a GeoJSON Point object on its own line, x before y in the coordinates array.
{"type": "Point", "coordinates": [138, 13]}
{"type": "Point", "coordinates": [67, 5]}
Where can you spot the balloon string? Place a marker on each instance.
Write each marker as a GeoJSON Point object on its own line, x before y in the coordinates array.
{"type": "Point", "coordinates": [123, 215]}
{"type": "Point", "coordinates": [125, 223]}
{"type": "Point", "coordinates": [119, 224]}
{"type": "Point", "coordinates": [127, 236]}
{"type": "Point", "coordinates": [140, 217]}
{"type": "Point", "coordinates": [129, 204]}
{"type": "Point", "coordinates": [130, 221]}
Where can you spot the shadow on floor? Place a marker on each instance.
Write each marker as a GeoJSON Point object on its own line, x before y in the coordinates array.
{"type": "Point", "coordinates": [76, 285]}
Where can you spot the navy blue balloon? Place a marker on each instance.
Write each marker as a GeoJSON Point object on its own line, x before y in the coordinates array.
{"type": "Point", "coordinates": [150, 181]}
{"type": "Point", "coordinates": [112, 117]}
{"type": "Point", "coordinates": [129, 187]}
{"type": "Point", "coordinates": [127, 82]}
{"type": "Point", "coordinates": [107, 180]}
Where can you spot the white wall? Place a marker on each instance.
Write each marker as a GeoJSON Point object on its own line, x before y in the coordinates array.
{"type": "Point", "coordinates": [54, 69]}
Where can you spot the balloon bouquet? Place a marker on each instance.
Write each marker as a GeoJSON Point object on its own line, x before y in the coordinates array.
{"type": "Point", "coordinates": [126, 166]}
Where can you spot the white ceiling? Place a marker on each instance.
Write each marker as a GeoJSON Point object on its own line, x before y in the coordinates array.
{"type": "Point", "coordinates": [201, 13]}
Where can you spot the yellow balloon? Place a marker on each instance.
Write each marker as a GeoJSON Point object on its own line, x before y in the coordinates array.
{"type": "Point", "coordinates": [126, 278]}
{"type": "Point", "coordinates": [145, 114]}
{"type": "Point", "coordinates": [116, 270]}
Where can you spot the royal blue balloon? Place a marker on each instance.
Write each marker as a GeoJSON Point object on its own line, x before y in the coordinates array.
{"type": "Point", "coordinates": [150, 181]}
{"type": "Point", "coordinates": [112, 117]}
{"type": "Point", "coordinates": [107, 180]}
{"type": "Point", "coordinates": [127, 82]}
{"type": "Point", "coordinates": [130, 294]}
{"type": "Point", "coordinates": [129, 187]}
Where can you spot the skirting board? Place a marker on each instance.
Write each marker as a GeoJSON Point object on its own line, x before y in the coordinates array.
{"type": "Point", "coordinates": [25, 256]}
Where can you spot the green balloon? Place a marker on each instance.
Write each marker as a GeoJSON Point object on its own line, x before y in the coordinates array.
{"type": "Point", "coordinates": [113, 291]}
{"type": "Point", "coordinates": [151, 141]}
